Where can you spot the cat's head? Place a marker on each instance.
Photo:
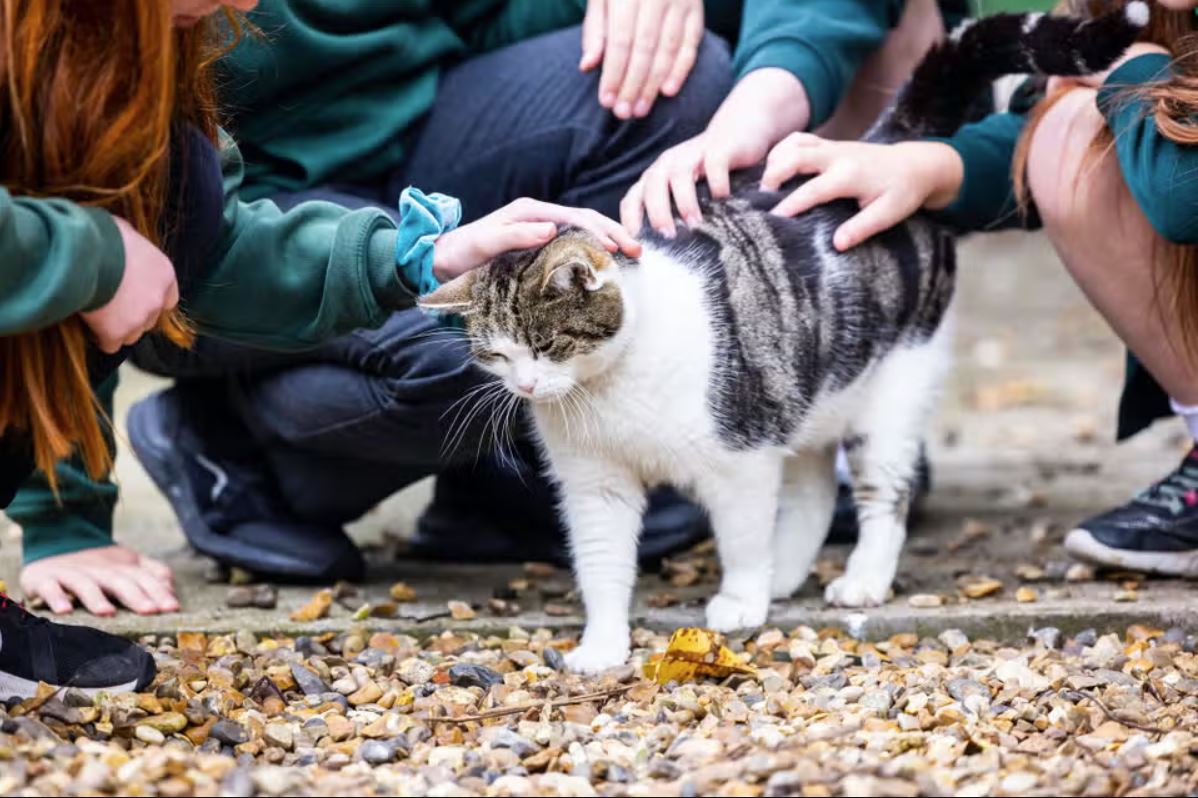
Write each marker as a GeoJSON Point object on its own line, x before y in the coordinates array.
{"type": "Point", "coordinates": [543, 320]}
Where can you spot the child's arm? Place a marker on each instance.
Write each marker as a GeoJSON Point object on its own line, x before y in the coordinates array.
{"type": "Point", "coordinates": [59, 258]}
{"type": "Point", "coordinates": [793, 64]}
{"type": "Point", "coordinates": [964, 179]}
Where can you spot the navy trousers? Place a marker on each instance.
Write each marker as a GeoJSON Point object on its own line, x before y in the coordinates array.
{"type": "Point", "coordinates": [353, 421]}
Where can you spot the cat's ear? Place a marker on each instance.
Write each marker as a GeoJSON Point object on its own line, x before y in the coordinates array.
{"type": "Point", "coordinates": [570, 276]}
{"type": "Point", "coordinates": [456, 296]}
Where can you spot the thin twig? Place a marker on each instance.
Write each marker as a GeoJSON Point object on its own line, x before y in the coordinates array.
{"type": "Point", "coordinates": [561, 702]}
{"type": "Point", "coordinates": [1131, 724]}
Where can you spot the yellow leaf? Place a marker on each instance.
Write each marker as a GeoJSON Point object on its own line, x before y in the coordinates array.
{"type": "Point", "coordinates": [694, 652]}
{"type": "Point", "coordinates": [315, 609]}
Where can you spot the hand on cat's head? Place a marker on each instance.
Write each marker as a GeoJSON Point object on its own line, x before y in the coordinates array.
{"type": "Point", "coordinates": [519, 225]}
{"type": "Point", "coordinates": [542, 319]}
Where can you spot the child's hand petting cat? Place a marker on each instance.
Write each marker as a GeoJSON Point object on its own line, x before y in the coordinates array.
{"type": "Point", "coordinates": [889, 181]}
{"type": "Point", "coordinates": [647, 48]}
{"type": "Point", "coordinates": [763, 107]}
{"type": "Point", "coordinates": [522, 224]}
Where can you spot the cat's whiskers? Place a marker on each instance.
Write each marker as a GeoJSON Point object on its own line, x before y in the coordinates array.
{"type": "Point", "coordinates": [460, 425]}
{"type": "Point", "coordinates": [459, 403]}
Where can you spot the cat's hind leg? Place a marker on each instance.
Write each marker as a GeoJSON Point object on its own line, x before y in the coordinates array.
{"type": "Point", "coordinates": [603, 506]}
{"type": "Point", "coordinates": [806, 502]}
{"type": "Point", "coordinates": [742, 499]}
{"type": "Point", "coordinates": [883, 450]}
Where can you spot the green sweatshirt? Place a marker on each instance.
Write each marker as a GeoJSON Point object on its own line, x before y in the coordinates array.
{"type": "Point", "coordinates": [332, 88]}
{"type": "Point", "coordinates": [1159, 172]}
{"type": "Point", "coordinates": [328, 93]}
{"type": "Point", "coordinates": [61, 258]}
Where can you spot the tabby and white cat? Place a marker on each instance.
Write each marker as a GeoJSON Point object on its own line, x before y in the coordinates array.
{"type": "Point", "coordinates": [732, 360]}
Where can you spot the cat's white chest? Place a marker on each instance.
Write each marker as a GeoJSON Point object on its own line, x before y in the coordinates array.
{"type": "Point", "coordinates": [650, 413]}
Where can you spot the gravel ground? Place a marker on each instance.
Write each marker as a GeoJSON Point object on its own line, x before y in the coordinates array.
{"type": "Point", "coordinates": [351, 714]}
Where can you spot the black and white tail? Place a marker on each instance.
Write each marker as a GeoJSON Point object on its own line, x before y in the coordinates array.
{"type": "Point", "coordinates": [954, 74]}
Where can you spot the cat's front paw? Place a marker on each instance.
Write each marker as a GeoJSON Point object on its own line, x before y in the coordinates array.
{"type": "Point", "coordinates": [728, 613]}
{"type": "Point", "coordinates": [852, 590]}
{"type": "Point", "coordinates": [592, 659]}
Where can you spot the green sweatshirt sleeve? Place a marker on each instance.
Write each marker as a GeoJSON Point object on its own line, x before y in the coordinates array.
{"type": "Point", "coordinates": [987, 198]}
{"type": "Point", "coordinates": [58, 258]}
{"type": "Point", "coordinates": [81, 517]}
{"type": "Point", "coordinates": [280, 280]}
{"type": "Point", "coordinates": [1158, 172]}
{"type": "Point", "coordinates": [484, 25]}
{"type": "Point", "coordinates": [821, 42]}
{"type": "Point", "coordinates": [290, 280]}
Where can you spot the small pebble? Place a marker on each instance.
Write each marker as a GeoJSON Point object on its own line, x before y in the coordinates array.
{"type": "Point", "coordinates": [553, 658]}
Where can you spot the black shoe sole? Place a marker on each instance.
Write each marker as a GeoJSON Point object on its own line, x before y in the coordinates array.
{"type": "Point", "coordinates": [168, 472]}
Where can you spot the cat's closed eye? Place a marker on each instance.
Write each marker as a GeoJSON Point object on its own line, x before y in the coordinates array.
{"type": "Point", "coordinates": [493, 357]}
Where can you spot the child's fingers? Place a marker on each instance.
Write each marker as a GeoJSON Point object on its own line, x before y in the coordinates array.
{"type": "Point", "coordinates": [88, 591]}
{"type": "Point", "coordinates": [717, 166]}
{"type": "Point", "coordinates": [686, 197]}
{"type": "Point", "coordinates": [688, 51]}
{"type": "Point", "coordinates": [610, 232]}
{"type": "Point", "coordinates": [123, 585]}
{"type": "Point", "coordinates": [798, 153]}
{"type": "Point", "coordinates": [632, 208]}
{"type": "Point", "coordinates": [667, 53]}
{"type": "Point", "coordinates": [621, 22]}
{"type": "Point", "coordinates": [594, 30]}
{"type": "Point", "coordinates": [160, 594]}
{"type": "Point", "coordinates": [657, 200]}
{"type": "Point", "coordinates": [158, 568]}
{"type": "Point", "coordinates": [816, 191]}
{"type": "Point", "coordinates": [644, 49]}
{"type": "Point", "coordinates": [881, 214]}
{"type": "Point", "coordinates": [50, 592]}
{"type": "Point", "coordinates": [521, 235]}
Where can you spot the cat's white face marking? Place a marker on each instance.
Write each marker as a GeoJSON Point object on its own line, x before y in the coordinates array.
{"type": "Point", "coordinates": [527, 375]}
{"type": "Point", "coordinates": [540, 378]}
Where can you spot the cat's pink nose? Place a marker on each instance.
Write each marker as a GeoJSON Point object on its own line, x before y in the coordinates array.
{"type": "Point", "coordinates": [527, 386]}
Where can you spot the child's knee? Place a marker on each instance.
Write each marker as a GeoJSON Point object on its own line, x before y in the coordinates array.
{"type": "Point", "coordinates": [1066, 176]}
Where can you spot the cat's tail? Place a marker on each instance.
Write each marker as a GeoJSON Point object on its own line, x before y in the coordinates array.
{"type": "Point", "coordinates": [955, 73]}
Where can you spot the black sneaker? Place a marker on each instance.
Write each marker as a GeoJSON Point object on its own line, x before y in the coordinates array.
{"type": "Point", "coordinates": [227, 504]}
{"type": "Point", "coordinates": [33, 649]}
{"type": "Point", "coordinates": [1157, 531]}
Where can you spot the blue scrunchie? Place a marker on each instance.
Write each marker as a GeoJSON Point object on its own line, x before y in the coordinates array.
{"type": "Point", "coordinates": [422, 217]}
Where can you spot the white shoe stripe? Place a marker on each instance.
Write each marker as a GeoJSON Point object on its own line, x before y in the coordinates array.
{"type": "Point", "coordinates": [1083, 545]}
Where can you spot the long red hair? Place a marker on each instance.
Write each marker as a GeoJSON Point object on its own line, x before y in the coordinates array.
{"type": "Point", "coordinates": [1173, 106]}
{"type": "Point", "coordinates": [89, 93]}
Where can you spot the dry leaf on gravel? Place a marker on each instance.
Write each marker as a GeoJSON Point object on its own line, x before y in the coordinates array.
{"type": "Point", "coordinates": [316, 608]}
{"type": "Point", "coordinates": [693, 652]}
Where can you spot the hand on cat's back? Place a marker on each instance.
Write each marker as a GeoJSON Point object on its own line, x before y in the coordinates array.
{"type": "Point", "coordinates": [762, 108]}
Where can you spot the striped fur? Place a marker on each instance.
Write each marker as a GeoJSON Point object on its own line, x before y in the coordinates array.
{"type": "Point", "coordinates": [732, 360]}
